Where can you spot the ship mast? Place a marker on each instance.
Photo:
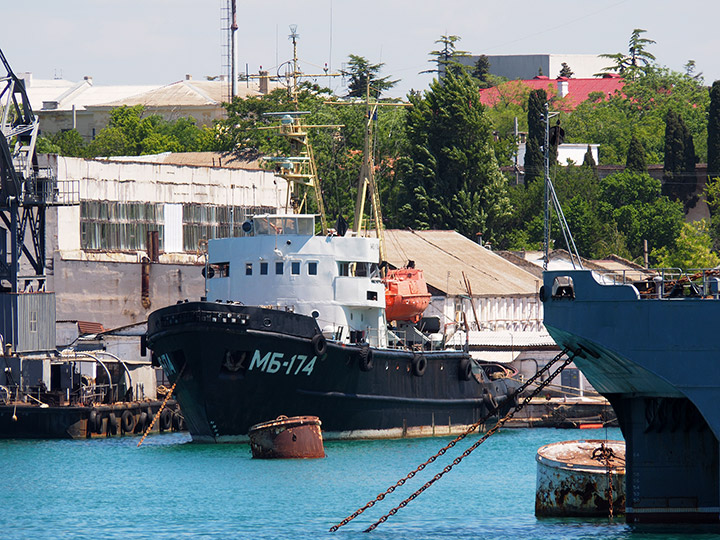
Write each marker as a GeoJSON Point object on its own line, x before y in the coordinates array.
{"type": "Point", "coordinates": [366, 179]}
{"type": "Point", "coordinates": [298, 169]}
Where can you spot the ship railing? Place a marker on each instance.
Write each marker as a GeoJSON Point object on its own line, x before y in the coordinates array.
{"type": "Point", "coordinates": [668, 283]}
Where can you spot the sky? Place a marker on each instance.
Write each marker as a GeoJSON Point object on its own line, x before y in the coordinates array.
{"type": "Point", "coordinates": [160, 41]}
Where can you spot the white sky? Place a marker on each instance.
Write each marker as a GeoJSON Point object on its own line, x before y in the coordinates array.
{"type": "Point", "coordinates": [159, 41]}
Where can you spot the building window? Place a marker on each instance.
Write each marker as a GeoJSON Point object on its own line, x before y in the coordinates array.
{"type": "Point", "coordinates": [279, 268]}
{"type": "Point", "coordinates": [123, 226]}
{"type": "Point", "coordinates": [33, 321]}
{"type": "Point", "coordinates": [295, 268]}
{"type": "Point", "coordinates": [263, 268]}
{"type": "Point", "coordinates": [248, 269]}
{"type": "Point", "coordinates": [119, 226]}
{"type": "Point", "coordinates": [312, 268]}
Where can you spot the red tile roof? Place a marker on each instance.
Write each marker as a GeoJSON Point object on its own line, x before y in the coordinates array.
{"type": "Point", "coordinates": [579, 90]}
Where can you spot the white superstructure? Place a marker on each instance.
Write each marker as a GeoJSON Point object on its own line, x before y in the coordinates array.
{"type": "Point", "coordinates": [283, 265]}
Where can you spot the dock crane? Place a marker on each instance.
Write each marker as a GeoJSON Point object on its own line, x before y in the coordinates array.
{"type": "Point", "coordinates": [26, 191]}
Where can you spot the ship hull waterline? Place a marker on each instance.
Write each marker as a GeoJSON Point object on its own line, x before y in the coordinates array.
{"type": "Point", "coordinates": [242, 365]}
{"type": "Point", "coordinates": [655, 361]}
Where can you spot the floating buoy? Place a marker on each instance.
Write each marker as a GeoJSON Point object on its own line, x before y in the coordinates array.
{"type": "Point", "coordinates": [579, 478]}
{"type": "Point", "coordinates": [295, 437]}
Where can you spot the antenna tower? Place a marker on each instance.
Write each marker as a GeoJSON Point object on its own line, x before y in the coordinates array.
{"type": "Point", "coordinates": [229, 54]}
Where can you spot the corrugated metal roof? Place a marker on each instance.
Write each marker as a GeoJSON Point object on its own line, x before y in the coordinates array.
{"type": "Point", "coordinates": [444, 255]}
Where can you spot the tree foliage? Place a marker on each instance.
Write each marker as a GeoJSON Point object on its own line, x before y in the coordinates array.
{"type": "Point", "coordinates": [566, 71]}
{"type": "Point", "coordinates": [636, 60]}
{"type": "Point", "coordinates": [635, 161]}
{"type": "Point", "coordinates": [693, 249]}
{"type": "Point", "coordinates": [131, 133]}
{"type": "Point", "coordinates": [680, 180]}
{"type": "Point", "coordinates": [640, 110]}
{"type": "Point", "coordinates": [534, 159]}
{"type": "Point", "coordinates": [359, 71]}
{"type": "Point", "coordinates": [447, 58]}
{"type": "Point", "coordinates": [713, 131]}
{"type": "Point", "coordinates": [450, 177]}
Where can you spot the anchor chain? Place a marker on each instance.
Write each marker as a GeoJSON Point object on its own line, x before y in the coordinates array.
{"type": "Point", "coordinates": [451, 444]}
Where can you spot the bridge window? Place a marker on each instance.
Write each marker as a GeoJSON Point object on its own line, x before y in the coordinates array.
{"type": "Point", "coordinates": [263, 268]}
{"type": "Point", "coordinates": [312, 269]}
{"type": "Point", "coordinates": [279, 268]}
{"type": "Point", "coordinates": [295, 268]}
{"type": "Point", "coordinates": [248, 269]}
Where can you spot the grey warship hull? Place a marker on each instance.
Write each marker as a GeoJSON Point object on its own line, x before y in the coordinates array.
{"type": "Point", "coordinates": [654, 356]}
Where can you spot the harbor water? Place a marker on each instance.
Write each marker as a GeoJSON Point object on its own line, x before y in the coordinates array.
{"type": "Point", "coordinates": [171, 489]}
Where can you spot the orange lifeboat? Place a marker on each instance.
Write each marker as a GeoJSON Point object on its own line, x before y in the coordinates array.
{"type": "Point", "coordinates": [406, 295]}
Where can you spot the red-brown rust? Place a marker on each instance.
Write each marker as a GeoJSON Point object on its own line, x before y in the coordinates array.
{"type": "Point", "coordinates": [295, 437]}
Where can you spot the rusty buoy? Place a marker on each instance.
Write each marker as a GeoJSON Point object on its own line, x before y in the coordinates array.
{"type": "Point", "coordinates": [579, 478]}
{"type": "Point", "coordinates": [295, 437]}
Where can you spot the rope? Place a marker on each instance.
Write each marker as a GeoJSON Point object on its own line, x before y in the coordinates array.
{"type": "Point", "coordinates": [452, 443]}
{"type": "Point", "coordinates": [160, 410]}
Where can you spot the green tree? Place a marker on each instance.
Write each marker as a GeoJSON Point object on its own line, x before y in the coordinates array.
{"type": "Point", "coordinates": [713, 131]}
{"type": "Point", "coordinates": [712, 196]}
{"type": "Point", "coordinates": [450, 177]}
{"type": "Point", "coordinates": [66, 143]}
{"type": "Point", "coordinates": [634, 202]}
{"type": "Point", "coordinates": [589, 161]}
{"type": "Point", "coordinates": [447, 58]}
{"type": "Point", "coordinates": [565, 71]}
{"type": "Point", "coordinates": [534, 159]}
{"type": "Point", "coordinates": [359, 71]}
{"type": "Point", "coordinates": [680, 179]}
{"type": "Point", "coordinates": [693, 249]}
{"type": "Point", "coordinates": [130, 133]}
{"type": "Point", "coordinates": [636, 157]}
{"type": "Point", "coordinates": [637, 58]}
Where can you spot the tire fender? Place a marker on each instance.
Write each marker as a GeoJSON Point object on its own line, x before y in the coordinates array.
{"type": "Point", "coordinates": [127, 422]}
{"type": "Point", "coordinates": [319, 344]}
{"type": "Point", "coordinates": [419, 365]}
{"type": "Point", "coordinates": [366, 358]}
{"type": "Point", "coordinates": [465, 369]}
{"type": "Point", "coordinates": [166, 420]}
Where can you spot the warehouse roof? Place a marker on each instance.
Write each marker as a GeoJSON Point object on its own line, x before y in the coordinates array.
{"type": "Point", "coordinates": [445, 255]}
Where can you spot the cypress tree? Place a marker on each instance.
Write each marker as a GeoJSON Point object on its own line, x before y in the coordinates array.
{"type": "Point", "coordinates": [679, 164]}
{"type": "Point", "coordinates": [534, 159]}
{"type": "Point", "coordinates": [713, 136]}
{"type": "Point", "coordinates": [589, 162]}
{"type": "Point", "coordinates": [674, 148]}
{"type": "Point", "coordinates": [636, 156]}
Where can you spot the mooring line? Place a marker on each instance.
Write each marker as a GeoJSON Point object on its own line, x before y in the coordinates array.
{"type": "Point", "coordinates": [160, 410]}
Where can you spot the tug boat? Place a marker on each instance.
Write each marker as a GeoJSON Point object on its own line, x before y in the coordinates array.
{"type": "Point", "coordinates": [295, 324]}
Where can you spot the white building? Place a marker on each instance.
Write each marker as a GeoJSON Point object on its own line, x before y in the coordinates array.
{"type": "Point", "coordinates": [99, 263]}
{"type": "Point", "coordinates": [527, 66]}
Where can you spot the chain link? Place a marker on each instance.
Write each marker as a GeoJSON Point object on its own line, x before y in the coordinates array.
{"type": "Point", "coordinates": [442, 451]}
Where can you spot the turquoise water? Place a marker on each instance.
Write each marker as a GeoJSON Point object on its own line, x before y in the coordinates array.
{"type": "Point", "coordinates": [170, 488]}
